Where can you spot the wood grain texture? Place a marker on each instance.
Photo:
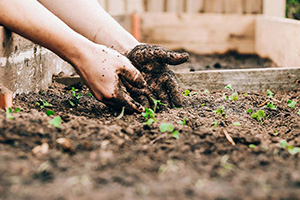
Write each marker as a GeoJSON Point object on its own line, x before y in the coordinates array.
{"type": "Point", "coordinates": [193, 6]}
{"type": "Point", "coordinates": [253, 6]}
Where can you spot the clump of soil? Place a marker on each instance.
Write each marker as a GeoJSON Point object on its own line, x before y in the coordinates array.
{"type": "Point", "coordinates": [229, 60]}
{"type": "Point", "coordinates": [110, 158]}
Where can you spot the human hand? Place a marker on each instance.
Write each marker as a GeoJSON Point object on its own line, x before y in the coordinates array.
{"type": "Point", "coordinates": [152, 61]}
{"type": "Point", "coordinates": [102, 68]}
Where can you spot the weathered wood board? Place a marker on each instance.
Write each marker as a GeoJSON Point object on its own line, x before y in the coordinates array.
{"type": "Point", "coordinates": [278, 39]}
{"type": "Point", "coordinates": [246, 80]}
{"type": "Point", "coordinates": [253, 6]}
{"type": "Point", "coordinates": [274, 8]}
{"type": "Point", "coordinates": [200, 33]}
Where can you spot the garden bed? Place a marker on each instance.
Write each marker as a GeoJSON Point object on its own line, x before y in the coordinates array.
{"type": "Point", "coordinates": [100, 156]}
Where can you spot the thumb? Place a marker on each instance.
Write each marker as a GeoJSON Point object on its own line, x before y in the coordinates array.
{"type": "Point", "coordinates": [175, 58]}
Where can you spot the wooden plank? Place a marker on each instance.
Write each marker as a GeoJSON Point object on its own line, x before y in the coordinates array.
{"type": "Point", "coordinates": [234, 6]}
{"type": "Point", "coordinates": [253, 6]}
{"type": "Point", "coordinates": [116, 7]}
{"type": "Point", "coordinates": [246, 80]}
{"type": "Point", "coordinates": [156, 6]}
{"type": "Point", "coordinates": [272, 8]}
{"type": "Point", "coordinates": [193, 6]}
{"type": "Point", "coordinates": [135, 6]}
{"type": "Point", "coordinates": [214, 6]}
{"type": "Point", "coordinates": [175, 6]}
{"type": "Point", "coordinates": [200, 33]}
{"type": "Point", "coordinates": [278, 39]}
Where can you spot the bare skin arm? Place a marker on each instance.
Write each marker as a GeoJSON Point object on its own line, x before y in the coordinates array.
{"type": "Point", "coordinates": [98, 65]}
{"type": "Point", "coordinates": [92, 21]}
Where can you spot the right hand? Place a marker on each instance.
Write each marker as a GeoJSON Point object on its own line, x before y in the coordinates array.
{"type": "Point", "coordinates": [101, 68]}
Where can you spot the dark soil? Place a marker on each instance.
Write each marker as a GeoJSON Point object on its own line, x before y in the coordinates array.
{"type": "Point", "coordinates": [229, 60]}
{"type": "Point", "coordinates": [109, 158]}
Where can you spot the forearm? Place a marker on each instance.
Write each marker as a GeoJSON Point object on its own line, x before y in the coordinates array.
{"type": "Point", "coordinates": [33, 21]}
{"type": "Point", "coordinates": [92, 21]}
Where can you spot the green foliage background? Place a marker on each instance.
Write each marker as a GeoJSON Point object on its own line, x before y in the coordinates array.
{"type": "Point", "coordinates": [293, 9]}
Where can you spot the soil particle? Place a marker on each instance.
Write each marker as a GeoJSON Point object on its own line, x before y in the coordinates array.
{"type": "Point", "coordinates": [124, 159]}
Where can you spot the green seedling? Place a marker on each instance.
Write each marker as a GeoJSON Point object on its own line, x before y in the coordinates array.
{"type": "Point", "coordinates": [157, 103]}
{"type": "Point", "coordinates": [269, 93]}
{"type": "Point", "coordinates": [186, 93]}
{"type": "Point", "coordinates": [49, 112]}
{"type": "Point", "coordinates": [89, 94]}
{"type": "Point", "coordinates": [150, 121]}
{"type": "Point", "coordinates": [259, 115]}
{"type": "Point", "coordinates": [122, 113]}
{"type": "Point", "coordinates": [44, 104]}
{"type": "Point", "coordinates": [56, 121]}
{"type": "Point", "coordinates": [228, 87]}
{"type": "Point", "coordinates": [299, 112]}
{"type": "Point", "coordinates": [9, 112]}
{"type": "Point", "coordinates": [168, 127]}
{"type": "Point", "coordinates": [271, 106]}
{"type": "Point", "coordinates": [290, 148]}
{"type": "Point", "coordinates": [226, 165]}
{"type": "Point", "coordinates": [246, 94]}
{"type": "Point", "coordinates": [234, 97]}
{"type": "Point", "coordinates": [249, 110]}
{"type": "Point", "coordinates": [236, 124]}
{"type": "Point", "coordinates": [252, 146]}
{"type": "Point", "coordinates": [149, 113]}
{"type": "Point", "coordinates": [215, 124]}
{"type": "Point", "coordinates": [195, 93]}
{"type": "Point", "coordinates": [207, 91]}
{"type": "Point", "coordinates": [291, 103]}
{"type": "Point", "coordinates": [204, 104]}
{"type": "Point", "coordinates": [183, 122]}
{"type": "Point", "coordinates": [221, 111]}
{"type": "Point", "coordinates": [76, 98]}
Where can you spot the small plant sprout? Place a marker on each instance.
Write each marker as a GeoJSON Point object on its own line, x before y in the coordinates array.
{"type": "Point", "coordinates": [89, 94]}
{"type": "Point", "coordinates": [271, 106]}
{"type": "Point", "coordinates": [259, 115]}
{"type": "Point", "coordinates": [291, 103]}
{"type": "Point", "coordinates": [56, 121]}
{"type": "Point", "coordinates": [207, 91]}
{"type": "Point", "coordinates": [252, 146]}
{"type": "Point", "coordinates": [215, 124]}
{"type": "Point", "coordinates": [221, 111]}
{"type": "Point", "coordinates": [270, 93]}
{"type": "Point", "coordinates": [168, 127]}
{"type": "Point", "coordinates": [236, 124]}
{"type": "Point", "coordinates": [186, 93]}
{"type": "Point", "coordinates": [249, 111]}
{"type": "Point", "coordinates": [9, 112]}
{"type": "Point", "coordinates": [44, 104]}
{"type": "Point", "coordinates": [234, 96]}
{"type": "Point", "coordinates": [299, 112]}
{"type": "Point", "coordinates": [228, 87]}
{"type": "Point", "coordinates": [49, 112]}
{"type": "Point", "coordinates": [76, 97]}
{"type": "Point", "coordinates": [204, 104]}
{"type": "Point", "coordinates": [183, 122]}
{"type": "Point", "coordinates": [246, 94]}
{"type": "Point", "coordinates": [150, 121]}
{"type": "Point", "coordinates": [149, 115]}
{"type": "Point", "coordinates": [195, 93]}
{"type": "Point", "coordinates": [290, 148]}
{"type": "Point", "coordinates": [157, 103]}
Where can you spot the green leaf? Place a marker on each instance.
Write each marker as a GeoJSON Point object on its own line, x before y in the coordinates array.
{"type": "Point", "coordinates": [195, 93]}
{"type": "Point", "coordinates": [166, 127]}
{"type": "Point", "coordinates": [249, 110]}
{"type": "Point", "coordinates": [89, 94]}
{"type": "Point", "coordinates": [71, 103]}
{"type": "Point", "coordinates": [269, 93]}
{"type": "Point", "coordinates": [183, 122]}
{"type": "Point", "coordinates": [215, 124]}
{"type": "Point", "coordinates": [283, 144]}
{"type": "Point", "coordinates": [234, 96]}
{"type": "Point", "coordinates": [207, 91]}
{"type": "Point", "coordinates": [259, 115]}
{"type": "Point", "coordinates": [46, 103]}
{"type": "Point", "coordinates": [149, 113]}
{"type": "Point", "coordinates": [56, 121]}
{"type": "Point", "coordinates": [236, 124]}
{"type": "Point", "coordinates": [175, 134]}
{"type": "Point", "coordinates": [186, 93]}
{"type": "Point", "coordinates": [17, 110]}
{"type": "Point", "coordinates": [228, 87]}
{"type": "Point", "coordinates": [271, 106]}
{"type": "Point", "coordinates": [149, 121]}
{"type": "Point", "coordinates": [292, 104]}
{"type": "Point", "coordinates": [294, 151]}
{"type": "Point", "coordinates": [157, 103]}
{"type": "Point", "coordinates": [49, 112]}
{"type": "Point", "coordinates": [252, 146]}
{"type": "Point", "coordinates": [246, 94]}
{"type": "Point", "coordinates": [299, 112]}
{"type": "Point", "coordinates": [204, 104]}
{"type": "Point", "coordinates": [8, 113]}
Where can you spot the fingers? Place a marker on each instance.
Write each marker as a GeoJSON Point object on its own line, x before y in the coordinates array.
{"type": "Point", "coordinates": [133, 76]}
{"type": "Point", "coordinates": [174, 58]}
